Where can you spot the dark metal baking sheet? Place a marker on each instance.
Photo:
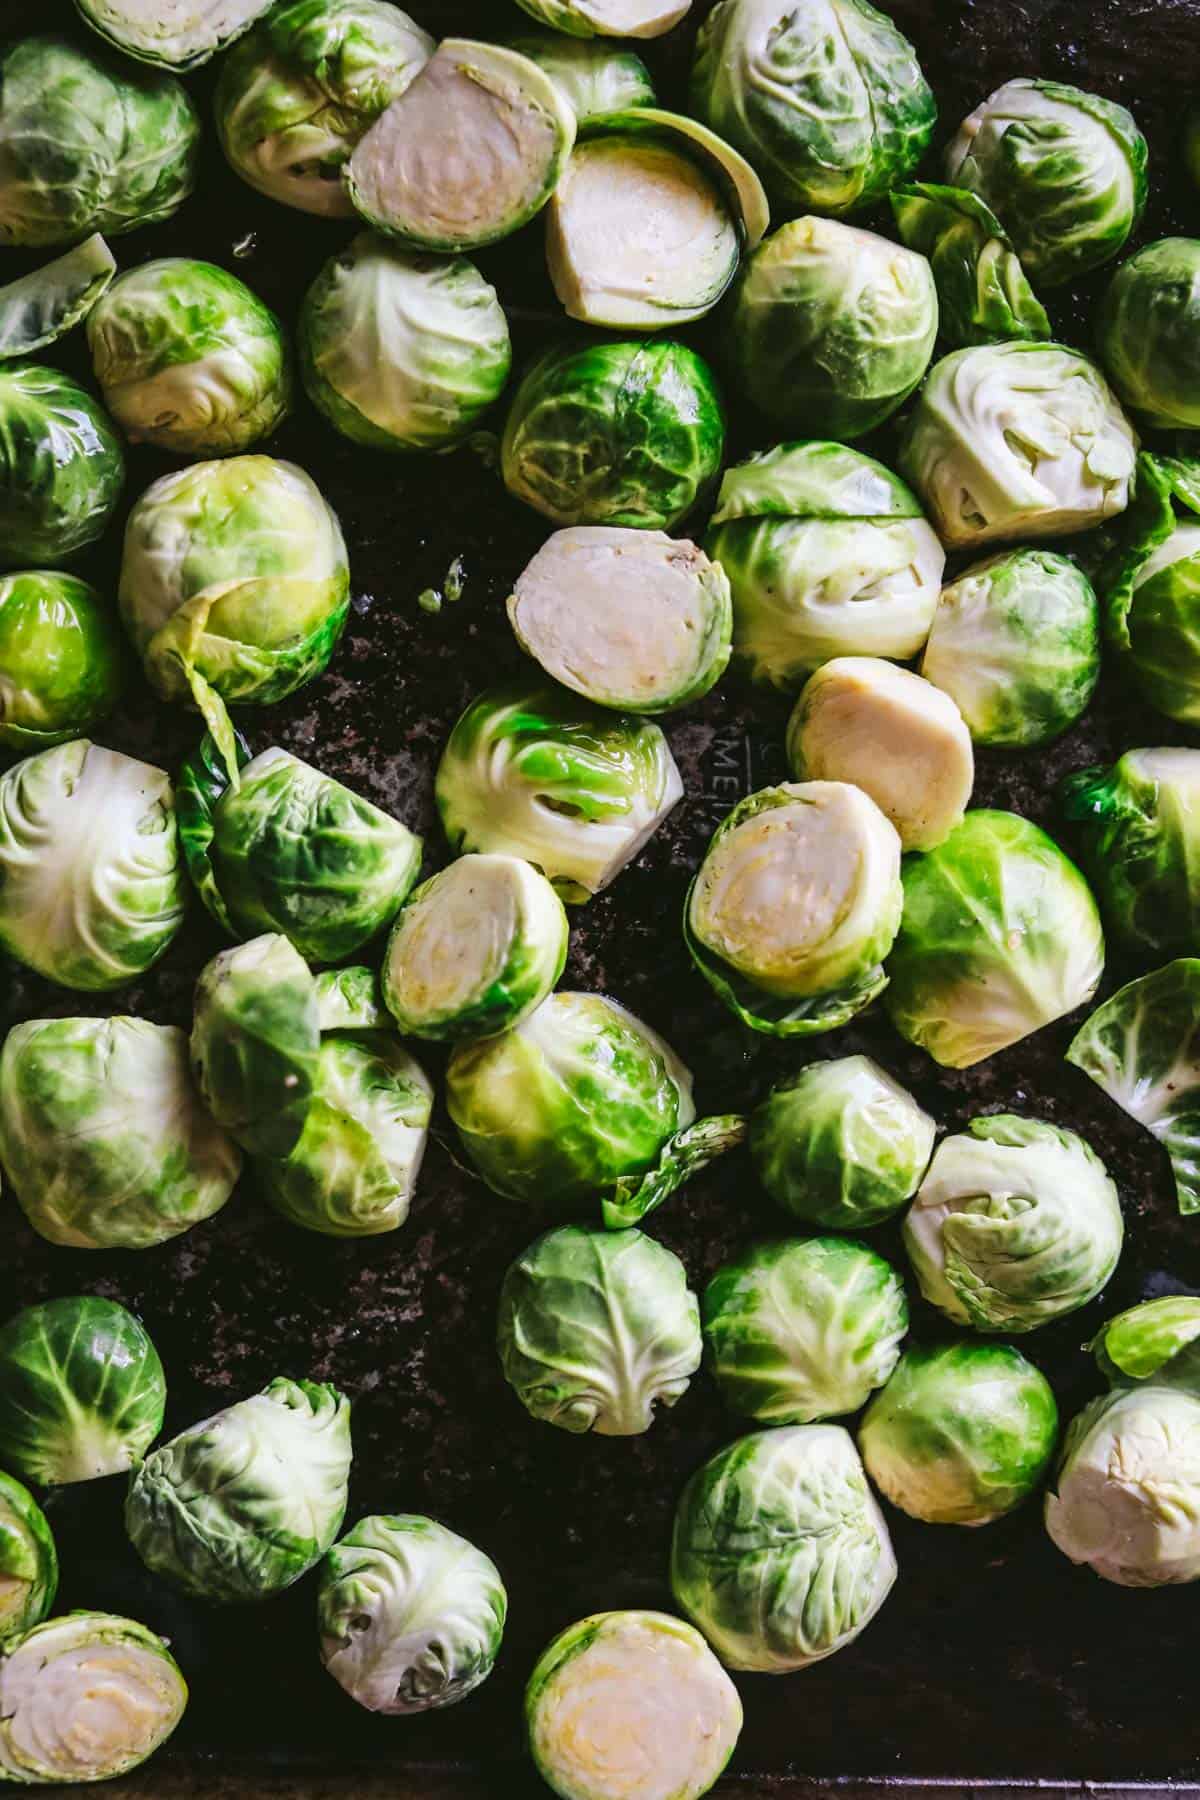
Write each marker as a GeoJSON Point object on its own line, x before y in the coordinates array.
{"type": "Point", "coordinates": [994, 1658]}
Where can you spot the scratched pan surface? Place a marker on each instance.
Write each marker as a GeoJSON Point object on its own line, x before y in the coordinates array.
{"type": "Point", "coordinates": [994, 1657]}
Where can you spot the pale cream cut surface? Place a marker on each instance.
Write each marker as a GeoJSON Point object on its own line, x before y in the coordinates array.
{"type": "Point", "coordinates": [632, 18]}
{"type": "Point", "coordinates": [178, 30]}
{"type": "Point", "coordinates": [12, 1596]}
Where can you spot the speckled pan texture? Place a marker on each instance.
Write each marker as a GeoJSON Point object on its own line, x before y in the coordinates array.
{"type": "Point", "coordinates": [994, 1658]}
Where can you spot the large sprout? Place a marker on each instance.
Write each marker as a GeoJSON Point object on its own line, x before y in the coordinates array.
{"type": "Point", "coordinates": [1146, 332]}
{"type": "Point", "coordinates": [28, 1562]}
{"type": "Point", "coordinates": [827, 554]}
{"type": "Point", "coordinates": [39, 308]}
{"type": "Point", "coordinates": [61, 659]}
{"type": "Point", "coordinates": [595, 76]}
{"type": "Point", "coordinates": [180, 36]}
{"type": "Point", "coordinates": [1016, 1223]}
{"type": "Point", "coordinates": [608, 18]}
{"type": "Point", "coordinates": [61, 466]}
{"type": "Point", "coordinates": [1149, 586]}
{"type": "Point", "coordinates": [256, 1041]}
{"type": "Point", "coordinates": [1137, 825]}
{"type": "Point", "coordinates": [1155, 1344]}
{"type": "Point", "coordinates": [984, 296]}
{"type": "Point", "coordinates": [1000, 935]}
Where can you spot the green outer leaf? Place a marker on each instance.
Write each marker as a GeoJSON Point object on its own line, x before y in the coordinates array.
{"type": "Point", "coordinates": [202, 783]}
{"type": "Point", "coordinates": [28, 1561]}
{"type": "Point", "coordinates": [256, 1042]}
{"type": "Point", "coordinates": [172, 39]}
{"type": "Point", "coordinates": [1152, 622]}
{"type": "Point", "coordinates": [686, 1154]}
{"type": "Point", "coordinates": [61, 466]}
{"type": "Point", "coordinates": [984, 295]}
{"type": "Point", "coordinates": [1152, 1342]}
{"type": "Point", "coordinates": [39, 308]}
{"type": "Point", "coordinates": [813, 480]}
{"type": "Point", "coordinates": [350, 1000]}
{"type": "Point", "coordinates": [63, 662]}
{"type": "Point", "coordinates": [595, 77]}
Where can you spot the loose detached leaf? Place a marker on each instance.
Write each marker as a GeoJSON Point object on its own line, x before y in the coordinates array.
{"type": "Point", "coordinates": [681, 1157]}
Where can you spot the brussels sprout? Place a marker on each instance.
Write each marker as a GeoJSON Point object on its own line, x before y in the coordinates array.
{"type": "Point", "coordinates": [610, 433]}
{"type": "Point", "coordinates": [841, 1144]}
{"type": "Point", "coordinates": [961, 1434]}
{"type": "Point", "coordinates": [1000, 936]}
{"type": "Point", "coordinates": [825, 97]}
{"type": "Point", "coordinates": [256, 1041]}
{"type": "Point", "coordinates": [410, 1614]}
{"type": "Point", "coordinates": [1015, 1224]}
{"type": "Point", "coordinates": [89, 144]}
{"type": "Point", "coordinates": [1126, 1498]}
{"type": "Point", "coordinates": [86, 1698]}
{"type": "Point", "coordinates": [795, 906]}
{"type": "Point", "coordinates": [827, 554]}
{"type": "Point", "coordinates": [1156, 1343]}
{"type": "Point", "coordinates": [61, 467]}
{"type": "Point", "coordinates": [181, 36]}
{"type": "Point", "coordinates": [780, 1554]}
{"type": "Point", "coordinates": [1146, 332]}
{"type": "Point", "coordinates": [598, 1328]}
{"type": "Point", "coordinates": [1015, 642]}
{"type": "Point", "coordinates": [91, 886]}
{"type": "Point", "coordinates": [290, 850]}
{"type": "Point", "coordinates": [984, 296]}
{"type": "Point", "coordinates": [893, 735]}
{"type": "Point", "coordinates": [1064, 170]}
{"type": "Point", "coordinates": [831, 328]}
{"type": "Point", "coordinates": [467, 154]}
{"type": "Point", "coordinates": [241, 1505]}
{"type": "Point", "coordinates": [803, 1329]}
{"type": "Point", "coordinates": [1017, 440]}
{"type": "Point", "coordinates": [690, 1151]}
{"type": "Point", "coordinates": [402, 351]}
{"type": "Point", "coordinates": [608, 18]}
{"type": "Point", "coordinates": [579, 1094]}
{"type": "Point", "coordinates": [574, 790]}
{"type": "Point", "coordinates": [61, 658]}
{"type": "Point", "coordinates": [350, 1000]}
{"type": "Point", "coordinates": [103, 1135]}
{"type": "Point", "coordinates": [1149, 587]}
{"type": "Point", "coordinates": [28, 1562]}
{"type": "Point", "coordinates": [631, 1703]}
{"type": "Point", "coordinates": [188, 359]}
{"type": "Point", "coordinates": [476, 949]}
{"type": "Point", "coordinates": [629, 619]}
{"type": "Point", "coordinates": [593, 77]}
{"type": "Point", "coordinates": [1138, 829]}
{"type": "Point", "coordinates": [38, 309]}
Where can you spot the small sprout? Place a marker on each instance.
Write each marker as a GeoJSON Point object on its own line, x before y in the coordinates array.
{"type": "Point", "coordinates": [1146, 332]}
{"type": "Point", "coordinates": [62, 659]}
{"type": "Point", "coordinates": [61, 466]}
{"type": "Point", "coordinates": [28, 1563]}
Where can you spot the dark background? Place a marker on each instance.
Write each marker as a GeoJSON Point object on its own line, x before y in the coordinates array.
{"type": "Point", "coordinates": [994, 1657]}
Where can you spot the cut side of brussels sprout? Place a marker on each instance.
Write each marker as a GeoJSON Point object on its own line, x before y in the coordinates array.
{"type": "Point", "coordinates": [40, 308]}
{"type": "Point", "coordinates": [595, 77]}
{"type": "Point", "coordinates": [255, 1043]}
{"type": "Point", "coordinates": [62, 659]}
{"type": "Point", "coordinates": [61, 466]}
{"type": "Point", "coordinates": [1157, 1342]}
{"type": "Point", "coordinates": [469, 153]}
{"type": "Point", "coordinates": [1138, 830]}
{"type": "Point", "coordinates": [609, 18]}
{"type": "Point", "coordinates": [898, 738]}
{"type": "Point", "coordinates": [634, 620]}
{"type": "Point", "coordinates": [180, 36]}
{"type": "Point", "coordinates": [984, 296]}
{"type": "Point", "coordinates": [28, 1562]}
{"type": "Point", "coordinates": [631, 1703]}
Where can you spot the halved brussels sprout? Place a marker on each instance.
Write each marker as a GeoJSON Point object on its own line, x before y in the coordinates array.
{"type": "Point", "coordinates": [28, 1562]}
{"type": "Point", "coordinates": [574, 790]}
{"type": "Point", "coordinates": [898, 738]}
{"type": "Point", "coordinates": [241, 1505]}
{"type": "Point", "coordinates": [984, 296]}
{"type": "Point", "coordinates": [831, 328]}
{"type": "Point", "coordinates": [91, 880]}
{"type": "Point", "coordinates": [780, 1553]}
{"type": "Point", "coordinates": [595, 77]}
{"type": "Point", "coordinates": [841, 1144]}
{"type": "Point", "coordinates": [297, 93]}
{"type": "Point", "coordinates": [803, 1329]}
{"type": "Point", "coordinates": [410, 1614]}
{"type": "Point", "coordinates": [1015, 1224]}
{"type": "Point", "coordinates": [103, 1136]}
{"type": "Point", "coordinates": [467, 154]}
{"type": "Point", "coordinates": [1015, 642]}
{"type": "Point", "coordinates": [86, 1698]}
{"type": "Point", "coordinates": [962, 1434]}
{"type": "Point", "coordinates": [795, 906]}
{"type": "Point", "coordinates": [1017, 440]}
{"type": "Point", "coordinates": [1156, 1343]}
{"type": "Point", "coordinates": [630, 1703]}
{"type": "Point", "coordinates": [61, 466]}
{"type": "Point", "coordinates": [39, 308]}
{"type": "Point", "coordinates": [827, 554]}
{"type": "Point", "coordinates": [825, 97]}
{"type": "Point", "coordinates": [614, 434]}
{"type": "Point", "coordinates": [1138, 829]}
{"type": "Point", "coordinates": [1150, 584]}
{"type": "Point", "coordinates": [181, 36]}
{"type": "Point", "coordinates": [1146, 331]}
{"type": "Point", "coordinates": [61, 658]}
{"type": "Point", "coordinates": [89, 144]}
{"type": "Point", "coordinates": [1064, 170]}
{"type": "Point", "coordinates": [1000, 936]}
{"type": "Point", "coordinates": [608, 18]}
{"type": "Point", "coordinates": [255, 1043]}
{"type": "Point", "coordinates": [598, 1328]}
{"type": "Point", "coordinates": [578, 1095]}
{"type": "Point", "coordinates": [475, 950]}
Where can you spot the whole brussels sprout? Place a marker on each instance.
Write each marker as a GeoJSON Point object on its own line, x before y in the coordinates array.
{"type": "Point", "coordinates": [1016, 1223]}
{"type": "Point", "coordinates": [617, 1683]}
{"type": "Point", "coordinates": [780, 1554]}
{"type": "Point", "coordinates": [1146, 332]}
{"type": "Point", "coordinates": [181, 36]}
{"type": "Point", "coordinates": [594, 77]}
{"type": "Point", "coordinates": [841, 1144]}
{"type": "Point", "coordinates": [256, 1041]}
{"type": "Point", "coordinates": [999, 936]}
{"type": "Point", "coordinates": [1015, 642]}
{"type": "Point", "coordinates": [61, 466]}
{"type": "Point", "coordinates": [1155, 1344]}
{"type": "Point", "coordinates": [91, 883]}
{"type": "Point", "coordinates": [608, 18]}
{"type": "Point", "coordinates": [598, 1328]}
{"type": "Point", "coordinates": [61, 658]}
{"type": "Point", "coordinates": [1064, 170]}
{"type": "Point", "coordinates": [28, 1562]}
{"type": "Point", "coordinates": [82, 1391]}
{"type": "Point", "coordinates": [89, 144]}
{"type": "Point", "coordinates": [984, 296]}
{"type": "Point", "coordinates": [86, 1698]}
{"type": "Point", "coordinates": [961, 1434]}
{"type": "Point", "coordinates": [827, 554]}
{"type": "Point", "coordinates": [606, 433]}
{"type": "Point", "coordinates": [410, 1614]}
{"type": "Point", "coordinates": [39, 308]}
{"type": "Point", "coordinates": [578, 1095]}
{"type": "Point", "coordinates": [803, 1329]}
{"type": "Point", "coordinates": [831, 328]}
{"type": "Point", "coordinates": [825, 97]}
{"type": "Point", "coordinates": [399, 350]}
{"type": "Point", "coordinates": [297, 93]}
{"type": "Point", "coordinates": [1138, 829]}
{"type": "Point", "coordinates": [241, 1505]}
{"type": "Point", "coordinates": [1150, 583]}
